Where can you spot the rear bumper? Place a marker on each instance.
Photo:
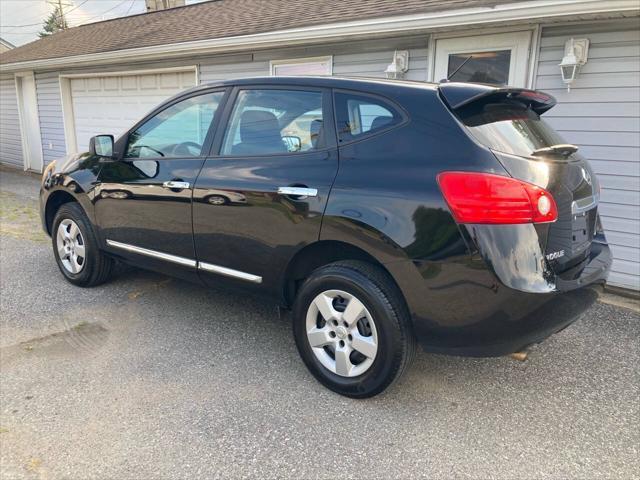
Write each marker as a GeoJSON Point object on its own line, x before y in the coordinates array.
{"type": "Point", "coordinates": [461, 307]}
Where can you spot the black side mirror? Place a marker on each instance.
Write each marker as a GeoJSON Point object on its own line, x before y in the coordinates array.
{"type": "Point", "coordinates": [101, 145]}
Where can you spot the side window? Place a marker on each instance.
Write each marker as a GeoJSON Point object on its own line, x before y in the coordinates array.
{"type": "Point", "coordinates": [358, 115]}
{"type": "Point", "coordinates": [266, 122]}
{"type": "Point", "coordinates": [177, 131]}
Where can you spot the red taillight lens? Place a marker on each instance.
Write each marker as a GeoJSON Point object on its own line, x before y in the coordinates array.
{"type": "Point", "coordinates": [487, 198]}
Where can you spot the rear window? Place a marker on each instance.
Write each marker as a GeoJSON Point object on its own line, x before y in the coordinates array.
{"type": "Point", "coordinates": [507, 128]}
{"type": "Point", "coordinates": [359, 115]}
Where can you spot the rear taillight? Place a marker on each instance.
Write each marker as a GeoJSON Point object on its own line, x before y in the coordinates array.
{"type": "Point", "coordinates": [487, 198]}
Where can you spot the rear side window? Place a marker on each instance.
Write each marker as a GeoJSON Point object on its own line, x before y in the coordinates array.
{"type": "Point", "coordinates": [509, 128]}
{"type": "Point", "coordinates": [360, 115]}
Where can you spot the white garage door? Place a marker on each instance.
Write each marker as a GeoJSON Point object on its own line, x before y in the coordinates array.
{"type": "Point", "coordinates": [112, 104]}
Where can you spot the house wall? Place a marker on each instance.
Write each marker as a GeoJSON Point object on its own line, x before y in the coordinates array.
{"type": "Point", "coordinates": [10, 137]}
{"type": "Point", "coordinates": [601, 115]}
{"type": "Point", "coordinates": [357, 58]}
{"type": "Point", "coordinates": [50, 113]}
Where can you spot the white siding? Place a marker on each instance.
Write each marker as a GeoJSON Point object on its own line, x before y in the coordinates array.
{"type": "Point", "coordinates": [369, 59]}
{"type": "Point", "coordinates": [50, 112]}
{"type": "Point", "coordinates": [10, 139]}
{"type": "Point", "coordinates": [373, 64]}
{"type": "Point", "coordinates": [601, 114]}
{"type": "Point", "coordinates": [223, 71]}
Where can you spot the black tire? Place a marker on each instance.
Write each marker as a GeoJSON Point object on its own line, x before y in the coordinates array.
{"type": "Point", "coordinates": [97, 267]}
{"type": "Point", "coordinates": [382, 298]}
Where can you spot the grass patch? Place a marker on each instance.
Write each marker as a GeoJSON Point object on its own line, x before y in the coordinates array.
{"type": "Point", "coordinates": [20, 218]}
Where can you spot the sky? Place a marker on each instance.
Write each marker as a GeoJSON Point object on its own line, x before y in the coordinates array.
{"type": "Point", "coordinates": [21, 20]}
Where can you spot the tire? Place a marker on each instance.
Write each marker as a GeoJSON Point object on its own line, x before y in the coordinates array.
{"type": "Point", "coordinates": [91, 266]}
{"type": "Point", "coordinates": [384, 321]}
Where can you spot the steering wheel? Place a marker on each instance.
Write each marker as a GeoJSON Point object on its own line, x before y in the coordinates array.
{"type": "Point", "coordinates": [186, 148]}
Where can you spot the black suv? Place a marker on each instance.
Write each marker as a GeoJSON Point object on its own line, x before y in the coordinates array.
{"type": "Point", "coordinates": [384, 214]}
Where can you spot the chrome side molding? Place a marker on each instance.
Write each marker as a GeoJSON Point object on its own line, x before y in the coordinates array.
{"type": "Point", "coordinates": [187, 262]}
{"type": "Point", "coordinates": [152, 253]}
{"type": "Point", "coordinates": [229, 272]}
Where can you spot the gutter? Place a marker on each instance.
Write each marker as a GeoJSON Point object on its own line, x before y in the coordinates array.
{"type": "Point", "coordinates": [503, 14]}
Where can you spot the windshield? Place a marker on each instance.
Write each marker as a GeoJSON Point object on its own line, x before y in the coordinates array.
{"type": "Point", "coordinates": [512, 129]}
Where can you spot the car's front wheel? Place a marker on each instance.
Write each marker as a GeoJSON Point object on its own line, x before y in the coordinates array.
{"type": "Point", "coordinates": [352, 328]}
{"type": "Point", "coordinates": [76, 249]}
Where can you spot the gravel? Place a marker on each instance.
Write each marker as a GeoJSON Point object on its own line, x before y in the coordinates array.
{"type": "Point", "coordinates": [151, 377]}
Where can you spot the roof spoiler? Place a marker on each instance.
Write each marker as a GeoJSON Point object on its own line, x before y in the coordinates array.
{"type": "Point", "coordinates": [460, 95]}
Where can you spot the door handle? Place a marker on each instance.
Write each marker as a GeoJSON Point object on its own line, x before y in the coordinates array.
{"type": "Point", "coordinates": [300, 192]}
{"type": "Point", "coordinates": [176, 184]}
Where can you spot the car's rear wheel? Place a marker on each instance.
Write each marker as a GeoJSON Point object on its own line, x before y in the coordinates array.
{"type": "Point", "coordinates": [76, 248]}
{"type": "Point", "coordinates": [352, 328]}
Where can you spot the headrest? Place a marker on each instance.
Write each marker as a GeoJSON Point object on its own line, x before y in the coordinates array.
{"type": "Point", "coordinates": [315, 131]}
{"type": "Point", "coordinates": [380, 122]}
{"type": "Point", "coordinates": [258, 126]}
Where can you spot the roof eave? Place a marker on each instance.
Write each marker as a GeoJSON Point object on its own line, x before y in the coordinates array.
{"type": "Point", "coordinates": [514, 12]}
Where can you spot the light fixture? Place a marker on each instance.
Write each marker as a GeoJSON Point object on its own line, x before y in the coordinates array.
{"type": "Point", "coordinates": [399, 65]}
{"type": "Point", "coordinates": [575, 55]}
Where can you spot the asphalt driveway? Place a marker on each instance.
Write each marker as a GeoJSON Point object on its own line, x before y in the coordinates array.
{"type": "Point", "coordinates": [150, 377]}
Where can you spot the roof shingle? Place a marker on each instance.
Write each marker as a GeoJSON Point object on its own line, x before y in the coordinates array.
{"type": "Point", "coordinates": [219, 19]}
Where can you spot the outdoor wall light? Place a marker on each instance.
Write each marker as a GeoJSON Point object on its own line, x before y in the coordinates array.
{"type": "Point", "coordinates": [399, 65]}
{"type": "Point", "coordinates": [575, 55]}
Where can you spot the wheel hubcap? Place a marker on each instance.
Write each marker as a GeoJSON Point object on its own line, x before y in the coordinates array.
{"type": "Point", "coordinates": [342, 333]}
{"type": "Point", "coordinates": [71, 246]}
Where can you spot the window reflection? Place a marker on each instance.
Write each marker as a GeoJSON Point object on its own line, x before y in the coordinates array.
{"type": "Point", "coordinates": [480, 67]}
{"type": "Point", "coordinates": [512, 129]}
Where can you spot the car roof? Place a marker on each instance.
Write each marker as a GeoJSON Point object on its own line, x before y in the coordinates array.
{"type": "Point", "coordinates": [355, 83]}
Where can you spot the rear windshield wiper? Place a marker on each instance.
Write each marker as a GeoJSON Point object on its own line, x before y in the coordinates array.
{"type": "Point", "coordinates": [564, 149]}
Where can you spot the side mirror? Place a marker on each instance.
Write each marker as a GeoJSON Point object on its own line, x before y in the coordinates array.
{"type": "Point", "coordinates": [293, 144]}
{"type": "Point", "coordinates": [101, 145]}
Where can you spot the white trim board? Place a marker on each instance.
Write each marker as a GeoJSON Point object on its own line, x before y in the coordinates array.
{"type": "Point", "coordinates": [328, 59]}
{"type": "Point", "coordinates": [538, 10]}
{"type": "Point", "coordinates": [518, 43]}
{"type": "Point", "coordinates": [28, 116]}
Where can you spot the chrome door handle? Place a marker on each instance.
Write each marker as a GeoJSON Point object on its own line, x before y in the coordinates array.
{"type": "Point", "coordinates": [175, 184]}
{"type": "Point", "coordinates": [298, 191]}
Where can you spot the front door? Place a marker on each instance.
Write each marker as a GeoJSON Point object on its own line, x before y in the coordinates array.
{"type": "Point", "coordinates": [143, 201]}
{"type": "Point", "coordinates": [262, 198]}
{"type": "Point", "coordinates": [500, 59]}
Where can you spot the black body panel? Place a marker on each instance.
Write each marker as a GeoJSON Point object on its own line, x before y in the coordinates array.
{"type": "Point", "coordinates": [471, 289]}
{"type": "Point", "coordinates": [240, 221]}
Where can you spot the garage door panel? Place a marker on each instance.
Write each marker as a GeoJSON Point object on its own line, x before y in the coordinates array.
{"type": "Point", "coordinates": [112, 104]}
{"type": "Point", "coordinates": [149, 82]}
{"type": "Point", "coordinates": [170, 80]}
{"type": "Point", "coordinates": [111, 84]}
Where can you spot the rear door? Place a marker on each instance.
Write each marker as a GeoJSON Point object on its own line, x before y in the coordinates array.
{"type": "Point", "coordinates": [261, 197]}
{"type": "Point", "coordinates": [143, 201]}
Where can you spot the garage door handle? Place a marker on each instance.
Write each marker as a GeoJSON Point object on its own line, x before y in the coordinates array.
{"type": "Point", "coordinates": [298, 191]}
{"type": "Point", "coordinates": [175, 184]}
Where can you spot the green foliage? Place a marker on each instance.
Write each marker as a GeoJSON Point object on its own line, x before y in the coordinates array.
{"type": "Point", "coordinates": [55, 22]}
